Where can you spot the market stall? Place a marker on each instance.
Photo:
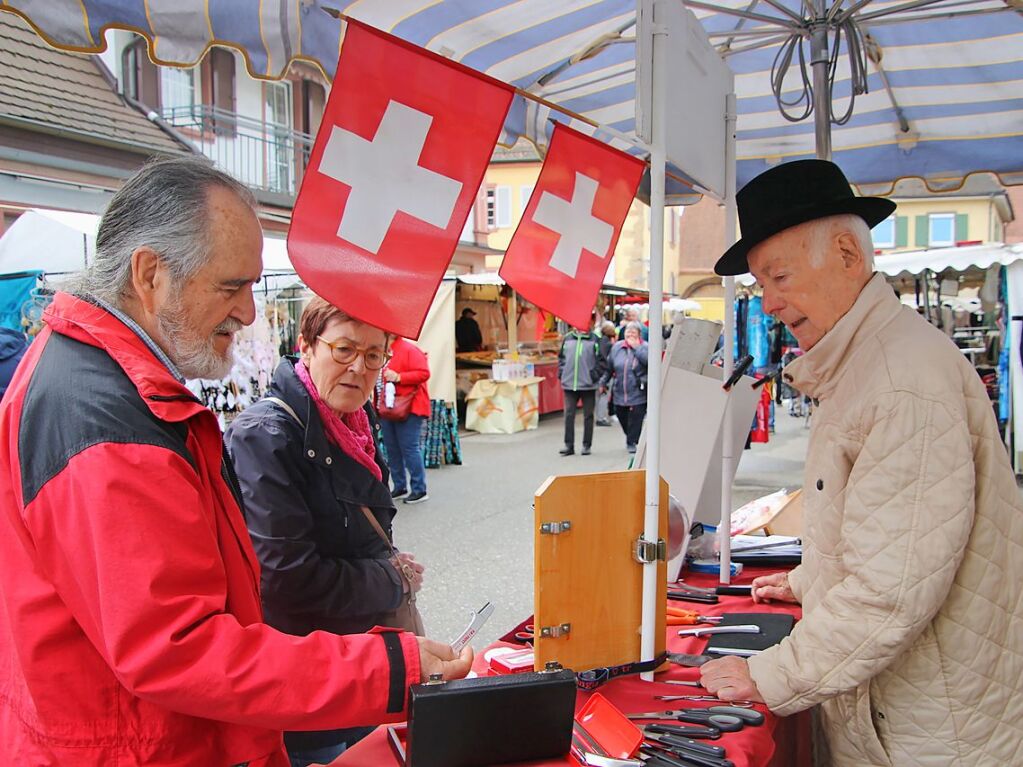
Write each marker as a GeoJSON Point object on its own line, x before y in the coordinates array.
{"type": "Point", "coordinates": [535, 337]}
{"type": "Point", "coordinates": [778, 742]}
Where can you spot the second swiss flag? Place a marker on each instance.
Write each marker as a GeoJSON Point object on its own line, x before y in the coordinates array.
{"type": "Point", "coordinates": [563, 245]}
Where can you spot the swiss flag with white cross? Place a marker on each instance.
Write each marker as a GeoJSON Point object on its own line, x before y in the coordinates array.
{"type": "Point", "coordinates": [560, 252]}
{"type": "Point", "coordinates": [405, 140]}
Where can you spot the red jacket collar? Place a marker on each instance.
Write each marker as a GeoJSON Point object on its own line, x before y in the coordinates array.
{"type": "Point", "coordinates": [168, 398]}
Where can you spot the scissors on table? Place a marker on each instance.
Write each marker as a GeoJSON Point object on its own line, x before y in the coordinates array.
{"type": "Point", "coordinates": [726, 717]}
{"type": "Point", "coordinates": [527, 634]}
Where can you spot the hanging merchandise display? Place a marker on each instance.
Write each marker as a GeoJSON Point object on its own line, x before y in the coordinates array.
{"type": "Point", "coordinates": [255, 358]}
{"type": "Point", "coordinates": [18, 300]}
{"type": "Point", "coordinates": [441, 443]}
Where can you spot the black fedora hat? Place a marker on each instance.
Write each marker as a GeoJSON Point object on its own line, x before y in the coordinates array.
{"type": "Point", "coordinates": [791, 194]}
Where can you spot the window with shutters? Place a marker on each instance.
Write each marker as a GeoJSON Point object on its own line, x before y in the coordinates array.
{"type": "Point", "coordinates": [220, 64]}
{"type": "Point", "coordinates": [883, 234]}
{"type": "Point", "coordinates": [491, 207]}
{"type": "Point", "coordinates": [941, 230]}
{"type": "Point", "coordinates": [178, 96]}
{"type": "Point", "coordinates": [503, 215]}
{"type": "Point", "coordinates": [140, 77]}
{"type": "Point", "coordinates": [525, 192]}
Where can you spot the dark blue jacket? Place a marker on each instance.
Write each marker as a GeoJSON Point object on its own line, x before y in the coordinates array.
{"type": "Point", "coordinates": [323, 565]}
{"type": "Point", "coordinates": [12, 349]}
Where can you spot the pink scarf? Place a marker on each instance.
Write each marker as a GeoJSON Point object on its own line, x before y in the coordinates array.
{"type": "Point", "coordinates": [349, 431]}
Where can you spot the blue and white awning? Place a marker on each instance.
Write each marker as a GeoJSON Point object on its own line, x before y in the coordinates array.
{"type": "Point", "coordinates": [943, 78]}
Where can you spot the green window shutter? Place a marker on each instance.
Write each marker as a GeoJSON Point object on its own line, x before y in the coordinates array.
{"type": "Point", "coordinates": [962, 227]}
{"type": "Point", "coordinates": [922, 230]}
{"type": "Point", "coordinates": [901, 231]}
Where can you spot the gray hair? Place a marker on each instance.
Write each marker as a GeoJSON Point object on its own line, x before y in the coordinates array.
{"type": "Point", "coordinates": [821, 231]}
{"type": "Point", "coordinates": [633, 325]}
{"type": "Point", "coordinates": [164, 207]}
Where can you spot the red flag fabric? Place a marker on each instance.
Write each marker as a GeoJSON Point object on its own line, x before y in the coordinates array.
{"type": "Point", "coordinates": [405, 139]}
{"type": "Point", "coordinates": [561, 249]}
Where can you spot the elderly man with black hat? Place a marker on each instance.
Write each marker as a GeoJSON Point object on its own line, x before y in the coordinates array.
{"type": "Point", "coordinates": [911, 641]}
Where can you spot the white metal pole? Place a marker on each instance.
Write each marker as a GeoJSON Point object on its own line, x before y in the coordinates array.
{"type": "Point", "coordinates": [656, 342]}
{"type": "Point", "coordinates": [727, 438]}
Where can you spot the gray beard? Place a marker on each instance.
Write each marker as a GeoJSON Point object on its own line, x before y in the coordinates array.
{"type": "Point", "coordinates": [194, 356]}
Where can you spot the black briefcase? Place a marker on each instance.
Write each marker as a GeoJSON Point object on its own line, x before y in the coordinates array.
{"type": "Point", "coordinates": [490, 720]}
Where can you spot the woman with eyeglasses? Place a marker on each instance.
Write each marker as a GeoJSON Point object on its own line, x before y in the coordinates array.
{"type": "Point", "coordinates": [307, 463]}
{"type": "Point", "coordinates": [407, 372]}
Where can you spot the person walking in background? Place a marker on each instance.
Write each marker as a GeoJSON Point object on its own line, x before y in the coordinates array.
{"type": "Point", "coordinates": [468, 336]}
{"type": "Point", "coordinates": [580, 368]}
{"type": "Point", "coordinates": [632, 315]}
{"type": "Point", "coordinates": [12, 349]}
{"type": "Point", "coordinates": [310, 472]}
{"type": "Point", "coordinates": [626, 377]}
{"type": "Point", "coordinates": [408, 371]}
{"type": "Point", "coordinates": [608, 334]}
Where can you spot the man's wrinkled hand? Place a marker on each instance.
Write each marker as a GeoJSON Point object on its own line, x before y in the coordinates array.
{"type": "Point", "coordinates": [774, 586]}
{"type": "Point", "coordinates": [729, 679]}
{"type": "Point", "coordinates": [439, 658]}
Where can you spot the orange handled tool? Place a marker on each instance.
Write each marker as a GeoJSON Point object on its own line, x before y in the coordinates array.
{"type": "Point", "coordinates": [676, 616]}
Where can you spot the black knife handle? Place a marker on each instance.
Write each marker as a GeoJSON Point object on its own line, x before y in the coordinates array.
{"type": "Point", "coordinates": [687, 744]}
{"type": "Point", "coordinates": [702, 733]}
{"type": "Point", "coordinates": [662, 758]}
{"type": "Point", "coordinates": [733, 591]}
{"type": "Point", "coordinates": [693, 759]}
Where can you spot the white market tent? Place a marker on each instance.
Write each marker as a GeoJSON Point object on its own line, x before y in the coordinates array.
{"type": "Point", "coordinates": [61, 243]}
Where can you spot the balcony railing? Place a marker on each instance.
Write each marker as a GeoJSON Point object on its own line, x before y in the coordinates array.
{"type": "Point", "coordinates": [263, 156]}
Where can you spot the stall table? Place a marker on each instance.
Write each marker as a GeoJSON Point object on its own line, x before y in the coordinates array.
{"type": "Point", "coordinates": [779, 742]}
{"type": "Point", "coordinates": [503, 407]}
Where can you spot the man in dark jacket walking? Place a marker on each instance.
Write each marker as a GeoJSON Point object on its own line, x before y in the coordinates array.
{"type": "Point", "coordinates": [580, 367]}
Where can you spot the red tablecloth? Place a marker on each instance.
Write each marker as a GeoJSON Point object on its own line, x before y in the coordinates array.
{"type": "Point", "coordinates": [777, 743]}
{"type": "Point", "coordinates": [552, 398]}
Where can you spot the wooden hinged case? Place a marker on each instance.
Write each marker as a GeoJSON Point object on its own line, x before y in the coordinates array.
{"type": "Point", "coordinates": [588, 586]}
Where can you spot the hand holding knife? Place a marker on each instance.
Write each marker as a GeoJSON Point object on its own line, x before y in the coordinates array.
{"type": "Point", "coordinates": [478, 619]}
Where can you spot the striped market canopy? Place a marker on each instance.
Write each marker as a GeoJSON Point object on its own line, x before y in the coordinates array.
{"type": "Point", "coordinates": [919, 88]}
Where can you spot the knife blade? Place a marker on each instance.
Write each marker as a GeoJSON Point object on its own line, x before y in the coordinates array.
{"type": "Point", "coordinates": [748, 628]}
{"type": "Point", "coordinates": [690, 661]}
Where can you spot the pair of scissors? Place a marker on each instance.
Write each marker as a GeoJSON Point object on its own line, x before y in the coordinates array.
{"type": "Point", "coordinates": [527, 634]}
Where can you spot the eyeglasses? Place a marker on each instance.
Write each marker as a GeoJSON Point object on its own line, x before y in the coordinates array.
{"type": "Point", "coordinates": [344, 354]}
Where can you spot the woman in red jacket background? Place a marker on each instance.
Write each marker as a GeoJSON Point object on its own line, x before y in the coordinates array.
{"type": "Point", "coordinates": [409, 371]}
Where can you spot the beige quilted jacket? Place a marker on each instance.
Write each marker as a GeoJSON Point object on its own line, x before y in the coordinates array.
{"type": "Point", "coordinates": [912, 632]}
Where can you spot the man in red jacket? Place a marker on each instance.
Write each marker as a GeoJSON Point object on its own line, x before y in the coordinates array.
{"type": "Point", "coordinates": [130, 623]}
